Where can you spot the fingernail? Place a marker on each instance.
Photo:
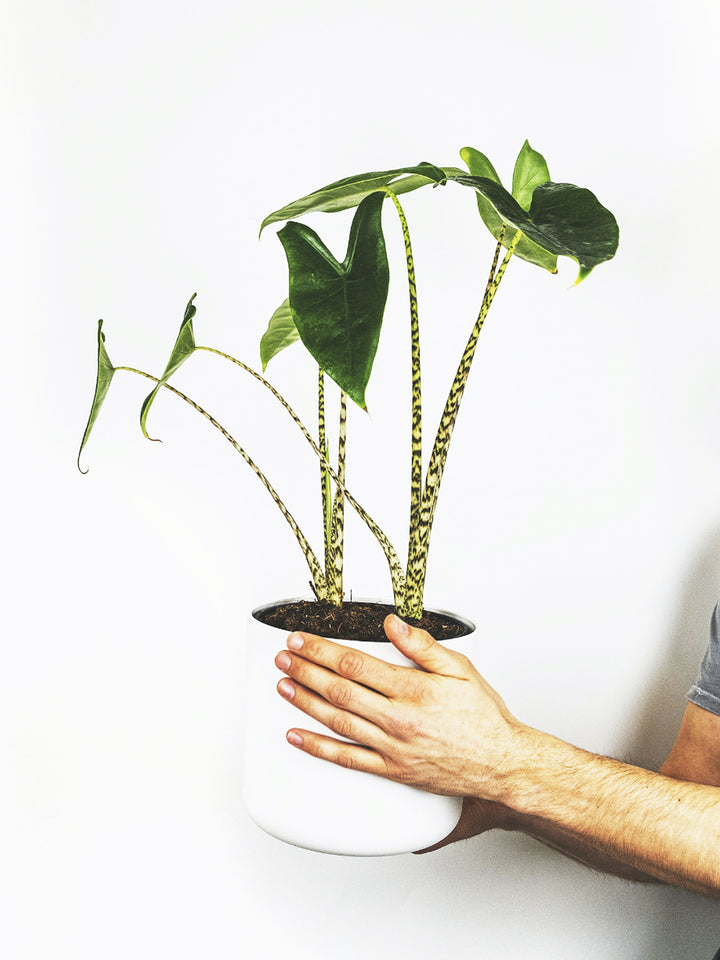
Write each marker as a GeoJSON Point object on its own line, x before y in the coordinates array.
{"type": "Point", "coordinates": [295, 739]}
{"type": "Point", "coordinates": [286, 689]}
{"type": "Point", "coordinates": [295, 641]}
{"type": "Point", "coordinates": [283, 660]}
{"type": "Point", "coordinates": [400, 626]}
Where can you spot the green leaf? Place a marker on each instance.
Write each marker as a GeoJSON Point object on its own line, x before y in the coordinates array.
{"type": "Point", "coordinates": [281, 332]}
{"type": "Point", "coordinates": [563, 219]}
{"type": "Point", "coordinates": [348, 193]}
{"type": "Point", "coordinates": [105, 372]}
{"type": "Point", "coordinates": [184, 348]}
{"type": "Point", "coordinates": [530, 172]}
{"type": "Point", "coordinates": [572, 222]}
{"type": "Point", "coordinates": [479, 166]}
{"type": "Point", "coordinates": [338, 307]}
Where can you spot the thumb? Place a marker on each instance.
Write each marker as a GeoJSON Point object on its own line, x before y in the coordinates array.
{"type": "Point", "coordinates": [417, 645]}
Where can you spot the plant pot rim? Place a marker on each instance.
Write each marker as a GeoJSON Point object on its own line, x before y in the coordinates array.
{"type": "Point", "coordinates": [467, 624]}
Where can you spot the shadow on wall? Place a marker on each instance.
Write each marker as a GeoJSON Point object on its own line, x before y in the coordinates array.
{"type": "Point", "coordinates": [688, 925]}
{"type": "Point", "coordinates": [660, 709]}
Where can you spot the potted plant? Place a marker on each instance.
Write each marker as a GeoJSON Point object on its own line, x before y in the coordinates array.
{"type": "Point", "coordinates": [336, 309]}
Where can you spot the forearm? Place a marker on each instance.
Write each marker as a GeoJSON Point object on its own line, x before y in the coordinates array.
{"type": "Point", "coordinates": [615, 817]}
{"type": "Point", "coordinates": [572, 846]}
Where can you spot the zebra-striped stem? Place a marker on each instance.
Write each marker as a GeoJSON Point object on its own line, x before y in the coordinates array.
{"type": "Point", "coordinates": [335, 559]}
{"type": "Point", "coordinates": [417, 562]}
{"type": "Point", "coordinates": [397, 573]}
{"type": "Point", "coordinates": [416, 415]}
{"type": "Point", "coordinates": [313, 563]}
{"type": "Point", "coordinates": [325, 489]}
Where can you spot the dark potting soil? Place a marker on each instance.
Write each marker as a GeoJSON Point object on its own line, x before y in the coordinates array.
{"type": "Point", "coordinates": [355, 620]}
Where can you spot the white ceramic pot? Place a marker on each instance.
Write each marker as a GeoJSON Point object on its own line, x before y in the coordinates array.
{"type": "Point", "coordinates": [318, 805]}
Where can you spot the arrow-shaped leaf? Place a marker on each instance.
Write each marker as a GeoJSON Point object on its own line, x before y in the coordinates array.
{"type": "Point", "coordinates": [563, 219]}
{"type": "Point", "coordinates": [479, 166]}
{"type": "Point", "coordinates": [184, 348]}
{"type": "Point", "coordinates": [338, 307]}
{"type": "Point", "coordinates": [105, 372]}
{"type": "Point", "coordinates": [281, 332]}
{"type": "Point", "coordinates": [348, 193]}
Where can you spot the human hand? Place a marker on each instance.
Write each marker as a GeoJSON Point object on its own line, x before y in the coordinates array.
{"type": "Point", "coordinates": [442, 728]}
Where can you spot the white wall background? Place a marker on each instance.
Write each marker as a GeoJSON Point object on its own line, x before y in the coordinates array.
{"type": "Point", "coordinates": [143, 143]}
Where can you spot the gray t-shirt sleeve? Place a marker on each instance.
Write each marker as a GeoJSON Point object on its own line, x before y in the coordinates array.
{"type": "Point", "coordinates": [706, 692]}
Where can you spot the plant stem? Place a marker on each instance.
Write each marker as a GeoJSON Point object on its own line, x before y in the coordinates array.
{"type": "Point", "coordinates": [417, 563]}
{"type": "Point", "coordinates": [337, 533]}
{"type": "Point", "coordinates": [397, 573]}
{"type": "Point", "coordinates": [416, 416]}
{"type": "Point", "coordinates": [325, 491]}
{"type": "Point", "coordinates": [332, 523]}
{"type": "Point", "coordinates": [313, 563]}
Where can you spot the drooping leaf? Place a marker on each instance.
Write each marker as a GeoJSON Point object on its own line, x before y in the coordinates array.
{"type": "Point", "coordinates": [479, 166]}
{"type": "Point", "coordinates": [281, 332]}
{"type": "Point", "coordinates": [530, 172]}
{"type": "Point", "coordinates": [184, 348]}
{"type": "Point", "coordinates": [105, 372]}
{"type": "Point", "coordinates": [338, 307]}
{"type": "Point", "coordinates": [348, 193]}
{"type": "Point", "coordinates": [572, 222]}
{"type": "Point", "coordinates": [563, 219]}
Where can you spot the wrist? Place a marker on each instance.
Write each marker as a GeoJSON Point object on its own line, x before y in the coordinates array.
{"type": "Point", "coordinates": [528, 769]}
{"type": "Point", "coordinates": [550, 779]}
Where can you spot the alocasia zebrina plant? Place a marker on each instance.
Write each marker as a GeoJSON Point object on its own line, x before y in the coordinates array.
{"type": "Point", "coordinates": [336, 309]}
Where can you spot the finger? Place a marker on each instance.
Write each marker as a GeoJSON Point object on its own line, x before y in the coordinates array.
{"type": "Point", "coordinates": [386, 678]}
{"type": "Point", "coordinates": [339, 693]}
{"type": "Point", "coordinates": [343, 723]}
{"type": "Point", "coordinates": [418, 646]}
{"type": "Point", "coordinates": [350, 756]}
